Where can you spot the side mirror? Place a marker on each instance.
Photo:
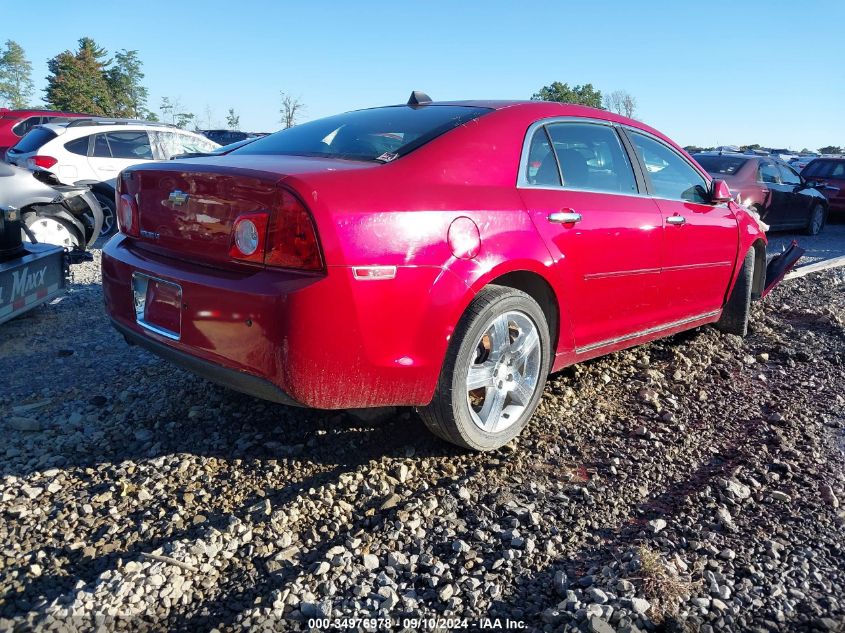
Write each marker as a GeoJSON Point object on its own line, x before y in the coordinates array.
{"type": "Point", "coordinates": [720, 192]}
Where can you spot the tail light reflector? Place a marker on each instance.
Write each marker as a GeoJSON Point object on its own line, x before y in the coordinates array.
{"type": "Point", "coordinates": [249, 237]}
{"type": "Point", "coordinates": [128, 220]}
{"type": "Point", "coordinates": [44, 162]}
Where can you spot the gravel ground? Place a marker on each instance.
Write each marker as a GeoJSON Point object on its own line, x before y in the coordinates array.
{"type": "Point", "coordinates": [689, 484]}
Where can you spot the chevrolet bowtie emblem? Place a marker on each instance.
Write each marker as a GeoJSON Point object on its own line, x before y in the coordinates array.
{"type": "Point", "coordinates": [177, 198]}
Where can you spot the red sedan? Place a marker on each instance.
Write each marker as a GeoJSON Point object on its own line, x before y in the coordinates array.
{"type": "Point", "coordinates": [447, 256]}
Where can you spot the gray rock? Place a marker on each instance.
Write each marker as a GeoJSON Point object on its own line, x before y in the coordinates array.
{"type": "Point", "coordinates": [657, 525]}
{"type": "Point", "coordinates": [371, 561]}
{"type": "Point", "coordinates": [25, 424]}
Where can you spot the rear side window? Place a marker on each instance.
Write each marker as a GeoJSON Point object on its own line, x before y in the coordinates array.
{"type": "Point", "coordinates": [671, 176]}
{"type": "Point", "coordinates": [78, 146]}
{"type": "Point", "coordinates": [769, 173]}
{"type": "Point", "coordinates": [379, 134]}
{"type": "Point", "coordinates": [591, 157]}
{"type": "Point", "coordinates": [101, 147]}
{"type": "Point", "coordinates": [541, 167]}
{"type": "Point", "coordinates": [34, 139]}
{"type": "Point", "coordinates": [132, 145]}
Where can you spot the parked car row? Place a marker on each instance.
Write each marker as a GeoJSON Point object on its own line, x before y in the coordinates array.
{"type": "Point", "coordinates": [782, 197]}
{"type": "Point", "coordinates": [93, 150]}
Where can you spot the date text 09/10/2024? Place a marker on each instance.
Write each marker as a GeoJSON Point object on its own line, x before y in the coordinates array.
{"type": "Point", "coordinates": [417, 624]}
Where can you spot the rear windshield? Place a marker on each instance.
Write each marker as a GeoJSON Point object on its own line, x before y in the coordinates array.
{"type": "Point", "coordinates": [378, 134]}
{"type": "Point", "coordinates": [720, 165]}
{"type": "Point", "coordinates": [34, 139]}
{"type": "Point", "coordinates": [825, 169]}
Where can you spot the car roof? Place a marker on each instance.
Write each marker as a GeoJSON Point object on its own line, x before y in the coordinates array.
{"type": "Point", "coordinates": [64, 128]}
{"type": "Point", "coordinates": [4, 112]}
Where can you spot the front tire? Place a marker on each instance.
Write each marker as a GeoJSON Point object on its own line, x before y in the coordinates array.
{"type": "Point", "coordinates": [494, 372]}
{"type": "Point", "coordinates": [817, 220]}
{"type": "Point", "coordinates": [734, 319]}
{"type": "Point", "coordinates": [48, 228]}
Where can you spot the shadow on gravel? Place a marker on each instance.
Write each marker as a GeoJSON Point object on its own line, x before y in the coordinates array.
{"type": "Point", "coordinates": [609, 544]}
{"type": "Point", "coordinates": [346, 445]}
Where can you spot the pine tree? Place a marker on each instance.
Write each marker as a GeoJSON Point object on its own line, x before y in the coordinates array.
{"type": "Point", "coordinates": [78, 82]}
{"type": "Point", "coordinates": [16, 86]}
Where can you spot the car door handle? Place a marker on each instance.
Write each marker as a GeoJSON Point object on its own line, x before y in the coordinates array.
{"type": "Point", "coordinates": [676, 220]}
{"type": "Point", "coordinates": [565, 217]}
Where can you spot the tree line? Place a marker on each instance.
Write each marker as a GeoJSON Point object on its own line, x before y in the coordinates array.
{"type": "Point", "coordinates": [91, 81]}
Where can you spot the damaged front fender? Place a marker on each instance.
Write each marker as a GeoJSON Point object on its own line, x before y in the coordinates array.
{"type": "Point", "coordinates": [780, 264]}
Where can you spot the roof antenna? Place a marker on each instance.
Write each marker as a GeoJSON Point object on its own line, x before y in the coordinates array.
{"type": "Point", "coordinates": [418, 97]}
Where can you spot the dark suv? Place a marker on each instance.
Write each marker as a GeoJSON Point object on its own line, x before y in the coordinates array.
{"type": "Point", "coordinates": [830, 171]}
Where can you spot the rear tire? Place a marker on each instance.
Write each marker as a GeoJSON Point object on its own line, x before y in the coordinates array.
{"type": "Point", "coordinates": [502, 345]}
{"type": "Point", "coordinates": [817, 220]}
{"type": "Point", "coordinates": [734, 319]}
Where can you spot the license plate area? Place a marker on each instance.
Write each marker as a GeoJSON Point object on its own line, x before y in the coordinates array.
{"type": "Point", "coordinates": [158, 305]}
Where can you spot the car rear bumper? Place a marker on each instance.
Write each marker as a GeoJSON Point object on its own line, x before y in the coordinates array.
{"type": "Point", "coordinates": [326, 341]}
{"type": "Point", "coordinates": [237, 380]}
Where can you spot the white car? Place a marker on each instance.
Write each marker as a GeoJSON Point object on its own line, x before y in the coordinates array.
{"type": "Point", "coordinates": [94, 151]}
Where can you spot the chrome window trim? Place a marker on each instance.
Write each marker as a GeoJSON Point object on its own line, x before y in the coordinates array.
{"type": "Point", "coordinates": [522, 177]}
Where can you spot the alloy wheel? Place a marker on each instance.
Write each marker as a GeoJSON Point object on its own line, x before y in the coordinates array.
{"type": "Point", "coordinates": [504, 372]}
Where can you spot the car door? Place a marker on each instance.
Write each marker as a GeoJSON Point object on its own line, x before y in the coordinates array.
{"type": "Point", "coordinates": [700, 239]}
{"type": "Point", "coordinates": [114, 151]}
{"type": "Point", "coordinates": [776, 212]}
{"type": "Point", "coordinates": [797, 201]}
{"type": "Point", "coordinates": [605, 239]}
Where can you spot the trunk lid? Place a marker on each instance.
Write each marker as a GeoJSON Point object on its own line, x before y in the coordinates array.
{"type": "Point", "coordinates": [187, 208]}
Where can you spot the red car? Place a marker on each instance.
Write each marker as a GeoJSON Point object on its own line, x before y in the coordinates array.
{"type": "Point", "coordinates": [14, 124]}
{"type": "Point", "coordinates": [447, 256]}
{"type": "Point", "coordinates": [782, 198]}
{"type": "Point", "coordinates": [830, 172]}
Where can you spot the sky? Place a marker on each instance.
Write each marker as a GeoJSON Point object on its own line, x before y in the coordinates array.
{"type": "Point", "coordinates": [704, 73]}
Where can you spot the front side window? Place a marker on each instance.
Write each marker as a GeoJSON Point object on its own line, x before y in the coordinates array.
{"type": "Point", "coordinates": [671, 176]}
{"type": "Point", "coordinates": [769, 173]}
{"type": "Point", "coordinates": [789, 175]}
{"type": "Point", "coordinates": [591, 157]}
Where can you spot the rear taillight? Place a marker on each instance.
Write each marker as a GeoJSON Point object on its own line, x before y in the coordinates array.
{"type": "Point", "coordinates": [44, 162]}
{"type": "Point", "coordinates": [283, 238]}
{"type": "Point", "coordinates": [127, 216]}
